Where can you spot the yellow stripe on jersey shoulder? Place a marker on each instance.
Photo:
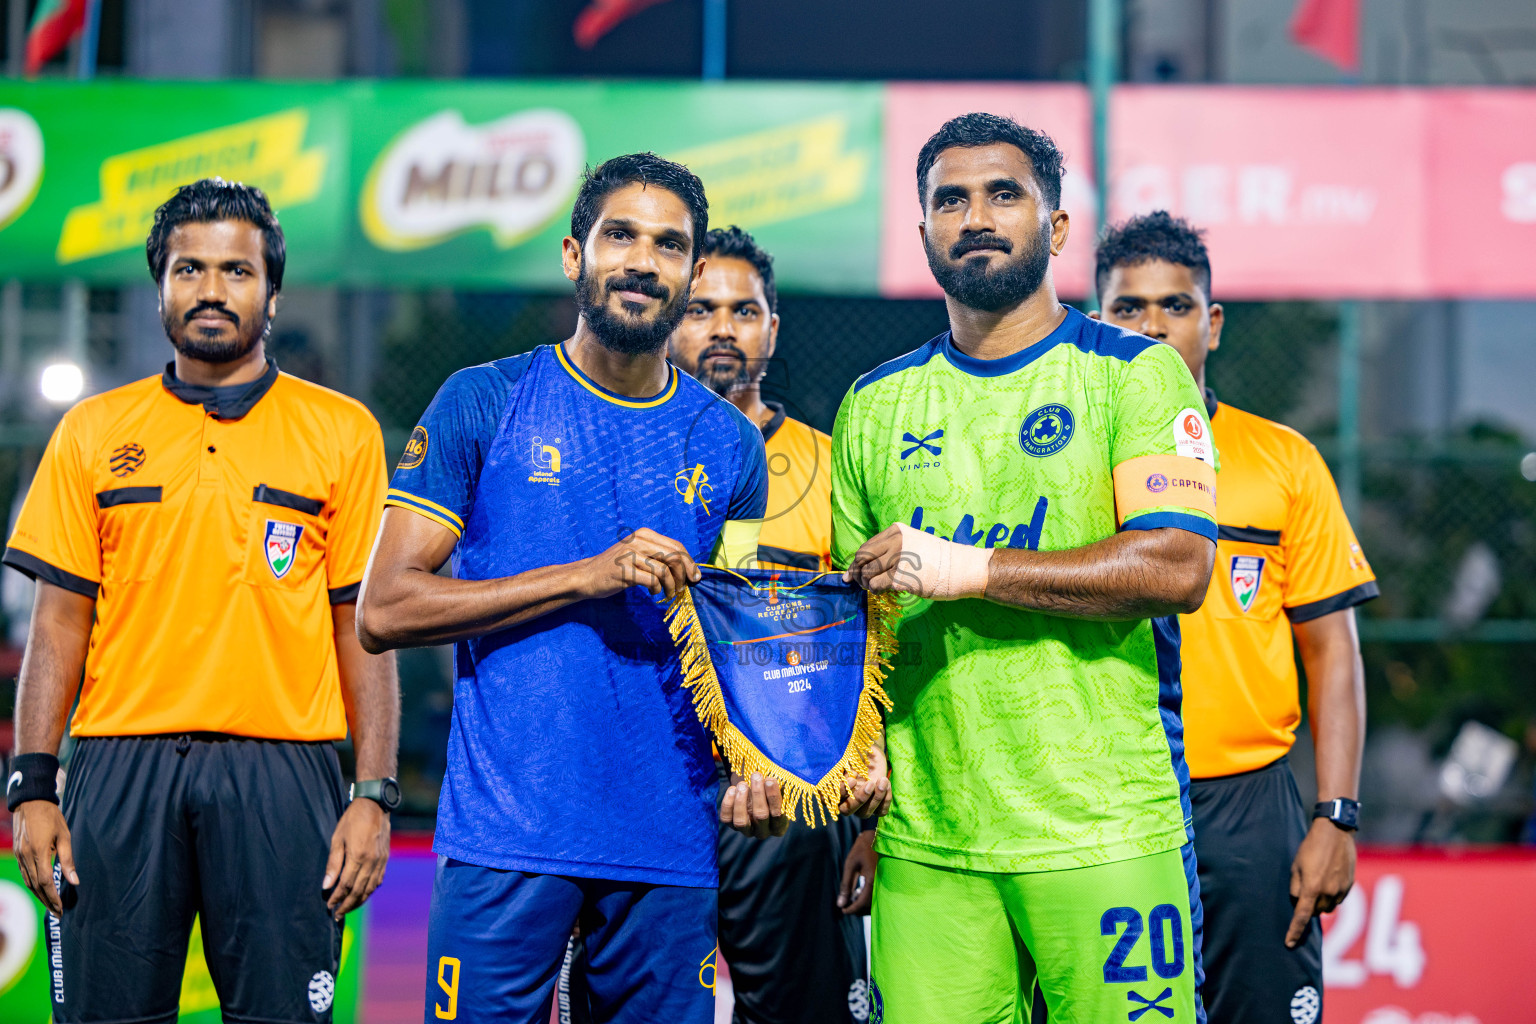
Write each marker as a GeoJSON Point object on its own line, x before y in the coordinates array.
{"type": "Point", "coordinates": [431, 509]}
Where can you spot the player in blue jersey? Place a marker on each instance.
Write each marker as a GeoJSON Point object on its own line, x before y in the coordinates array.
{"type": "Point", "coordinates": [577, 487]}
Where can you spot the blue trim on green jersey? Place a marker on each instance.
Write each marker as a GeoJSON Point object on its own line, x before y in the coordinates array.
{"type": "Point", "coordinates": [1178, 520]}
{"type": "Point", "coordinates": [917, 357]}
{"type": "Point", "coordinates": [1166, 641]}
{"type": "Point", "coordinates": [1091, 336]}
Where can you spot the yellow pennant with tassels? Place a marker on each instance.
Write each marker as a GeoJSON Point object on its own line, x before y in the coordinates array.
{"type": "Point", "coordinates": [787, 670]}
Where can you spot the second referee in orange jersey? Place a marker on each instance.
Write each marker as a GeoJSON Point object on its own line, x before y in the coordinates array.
{"type": "Point", "coordinates": [198, 539]}
{"type": "Point", "coordinates": [1287, 565]}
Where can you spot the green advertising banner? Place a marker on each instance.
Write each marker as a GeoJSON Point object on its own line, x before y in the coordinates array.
{"type": "Point", "coordinates": [26, 976]}
{"type": "Point", "coordinates": [384, 183]}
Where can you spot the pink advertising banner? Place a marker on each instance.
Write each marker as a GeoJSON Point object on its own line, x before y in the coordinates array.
{"type": "Point", "coordinates": [1482, 209]}
{"type": "Point", "coordinates": [1315, 193]}
{"type": "Point", "coordinates": [1303, 193]}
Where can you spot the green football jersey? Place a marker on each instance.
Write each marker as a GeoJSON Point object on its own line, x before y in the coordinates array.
{"type": "Point", "coordinates": [1022, 741]}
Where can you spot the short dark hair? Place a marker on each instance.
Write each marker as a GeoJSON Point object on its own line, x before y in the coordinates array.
{"type": "Point", "coordinates": [976, 129]}
{"type": "Point", "coordinates": [644, 169]}
{"type": "Point", "coordinates": [214, 199]}
{"type": "Point", "coordinates": [736, 243]}
{"type": "Point", "coordinates": [1153, 236]}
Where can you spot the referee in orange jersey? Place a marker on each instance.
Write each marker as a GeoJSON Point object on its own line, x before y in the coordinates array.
{"type": "Point", "coordinates": [1287, 566]}
{"type": "Point", "coordinates": [198, 539]}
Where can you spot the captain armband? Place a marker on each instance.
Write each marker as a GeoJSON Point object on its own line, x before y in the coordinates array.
{"type": "Point", "coordinates": [1164, 482]}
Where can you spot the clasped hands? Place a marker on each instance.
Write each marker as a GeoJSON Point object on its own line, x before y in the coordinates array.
{"type": "Point", "coordinates": [755, 807]}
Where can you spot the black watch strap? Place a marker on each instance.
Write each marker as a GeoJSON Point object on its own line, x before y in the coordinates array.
{"type": "Point", "coordinates": [384, 792]}
{"type": "Point", "coordinates": [1342, 811]}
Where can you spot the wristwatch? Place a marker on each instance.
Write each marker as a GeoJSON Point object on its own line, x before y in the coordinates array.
{"type": "Point", "coordinates": [384, 792]}
{"type": "Point", "coordinates": [1342, 811]}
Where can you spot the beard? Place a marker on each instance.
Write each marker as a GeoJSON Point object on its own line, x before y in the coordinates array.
{"type": "Point", "coordinates": [628, 333]}
{"type": "Point", "coordinates": [195, 343]}
{"type": "Point", "coordinates": [972, 283]}
{"type": "Point", "coordinates": [724, 380]}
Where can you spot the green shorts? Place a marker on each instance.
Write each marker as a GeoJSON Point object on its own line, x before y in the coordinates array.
{"type": "Point", "coordinates": [1112, 942]}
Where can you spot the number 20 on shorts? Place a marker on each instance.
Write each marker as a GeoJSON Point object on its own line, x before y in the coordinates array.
{"type": "Point", "coordinates": [1166, 937]}
{"type": "Point", "coordinates": [448, 981]}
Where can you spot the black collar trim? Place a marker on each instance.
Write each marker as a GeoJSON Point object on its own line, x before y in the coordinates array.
{"type": "Point", "coordinates": [231, 402]}
{"type": "Point", "coordinates": [1210, 403]}
{"type": "Point", "coordinates": [773, 425]}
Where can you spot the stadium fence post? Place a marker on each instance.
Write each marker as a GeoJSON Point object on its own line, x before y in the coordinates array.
{"type": "Point", "coordinates": [1103, 70]}
{"type": "Point", "coordinates": [1349, 408]}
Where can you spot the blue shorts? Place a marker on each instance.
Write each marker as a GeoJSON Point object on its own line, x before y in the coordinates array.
{"type": "Point", "coordinates": [496, 941]}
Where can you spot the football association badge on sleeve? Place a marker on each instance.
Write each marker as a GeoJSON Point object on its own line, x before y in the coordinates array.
{"type": "Point", "coordinates": [1247, 573]}
{"type": "Point", "coordinates": [281, 544]}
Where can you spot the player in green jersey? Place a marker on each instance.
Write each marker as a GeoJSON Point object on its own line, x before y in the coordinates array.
{"type": "Point", "coordinates": [1042, 487]}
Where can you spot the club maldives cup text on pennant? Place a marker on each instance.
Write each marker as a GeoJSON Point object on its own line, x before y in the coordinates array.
{"type": "Point", "coordinates": [786, 670]}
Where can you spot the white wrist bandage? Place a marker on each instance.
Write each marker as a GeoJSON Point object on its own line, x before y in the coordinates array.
{"type": "Point", "coordinates": [941, 569]}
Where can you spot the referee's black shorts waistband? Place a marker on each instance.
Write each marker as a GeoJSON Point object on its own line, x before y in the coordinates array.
{"type": "Point", "coordinates": [1278, 763]}
{"type": "Point", "coordinates": [205, 737]}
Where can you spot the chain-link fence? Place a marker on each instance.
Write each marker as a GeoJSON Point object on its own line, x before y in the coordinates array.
{"type": "Point", "coordinates": [1445, 516]}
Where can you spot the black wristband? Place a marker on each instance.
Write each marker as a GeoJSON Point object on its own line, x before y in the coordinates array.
{"type": "Point", "coordinates": [33, 777]}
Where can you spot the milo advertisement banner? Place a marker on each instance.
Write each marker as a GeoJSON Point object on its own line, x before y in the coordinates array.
{"type": "Point", "coordinates": [27, 978]}
{"type": "Point", "coordinates": [467, 184]}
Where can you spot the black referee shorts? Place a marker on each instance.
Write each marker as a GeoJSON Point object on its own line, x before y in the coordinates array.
{"type": "Point", "coordinates": [795, 958]}
{"type": "Point", "coordinates": [165, 828]}
{"type": "Point", "coordinates": [1248, 828]}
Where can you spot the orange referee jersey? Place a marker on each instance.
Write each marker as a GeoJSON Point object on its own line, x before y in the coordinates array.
{"type": "Point", "coordinates": [214, 546]}
{"type": "Point", "coordinates": [797, 531]}
{"type": "Point", "coordinates": [1285, 553]}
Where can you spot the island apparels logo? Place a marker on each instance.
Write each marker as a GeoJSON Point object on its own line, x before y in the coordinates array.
{"type": "Point", "coordinates": [546, 462]}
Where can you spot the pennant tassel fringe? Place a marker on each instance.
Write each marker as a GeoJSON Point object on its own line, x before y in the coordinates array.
{"type": "Point", "coordinates": [817, 801]}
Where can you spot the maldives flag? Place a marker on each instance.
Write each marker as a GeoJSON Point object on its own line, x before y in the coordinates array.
{"type": "Point", "coordinates": [54, 24]}
{"type": "Point", "coordinates": [1330, 29]}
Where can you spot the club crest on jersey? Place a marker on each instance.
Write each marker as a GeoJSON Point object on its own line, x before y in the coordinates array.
{"type": "Point", "coordinates": [281, 545]}
{"type": "Point", "coordinates": [1247, 574]}
{"type": "Point", "coordinates": [1046, 431]}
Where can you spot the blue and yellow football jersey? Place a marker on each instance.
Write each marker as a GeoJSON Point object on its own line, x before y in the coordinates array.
{"type": "Point", "coordinates": [574, 749]}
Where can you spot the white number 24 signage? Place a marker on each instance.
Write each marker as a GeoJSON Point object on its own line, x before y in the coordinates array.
{"type": "Point", "coordinates": [1392, 946]}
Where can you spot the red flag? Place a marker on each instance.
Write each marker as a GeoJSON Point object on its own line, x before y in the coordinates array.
{"type": "Point", "coordinates": [1330, 29]}
{"type": "Point", "coordinates": [54, 24]}
{"type": "Point", "coordinates": [599, 17]}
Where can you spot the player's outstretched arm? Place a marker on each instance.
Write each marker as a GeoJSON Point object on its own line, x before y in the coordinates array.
{"type": "Point", "coordinates": [404, 603]}
{"type": "Point", "coordinates": [50, 674]}
{"type": "Point", "coordinates": [1133, 574]}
